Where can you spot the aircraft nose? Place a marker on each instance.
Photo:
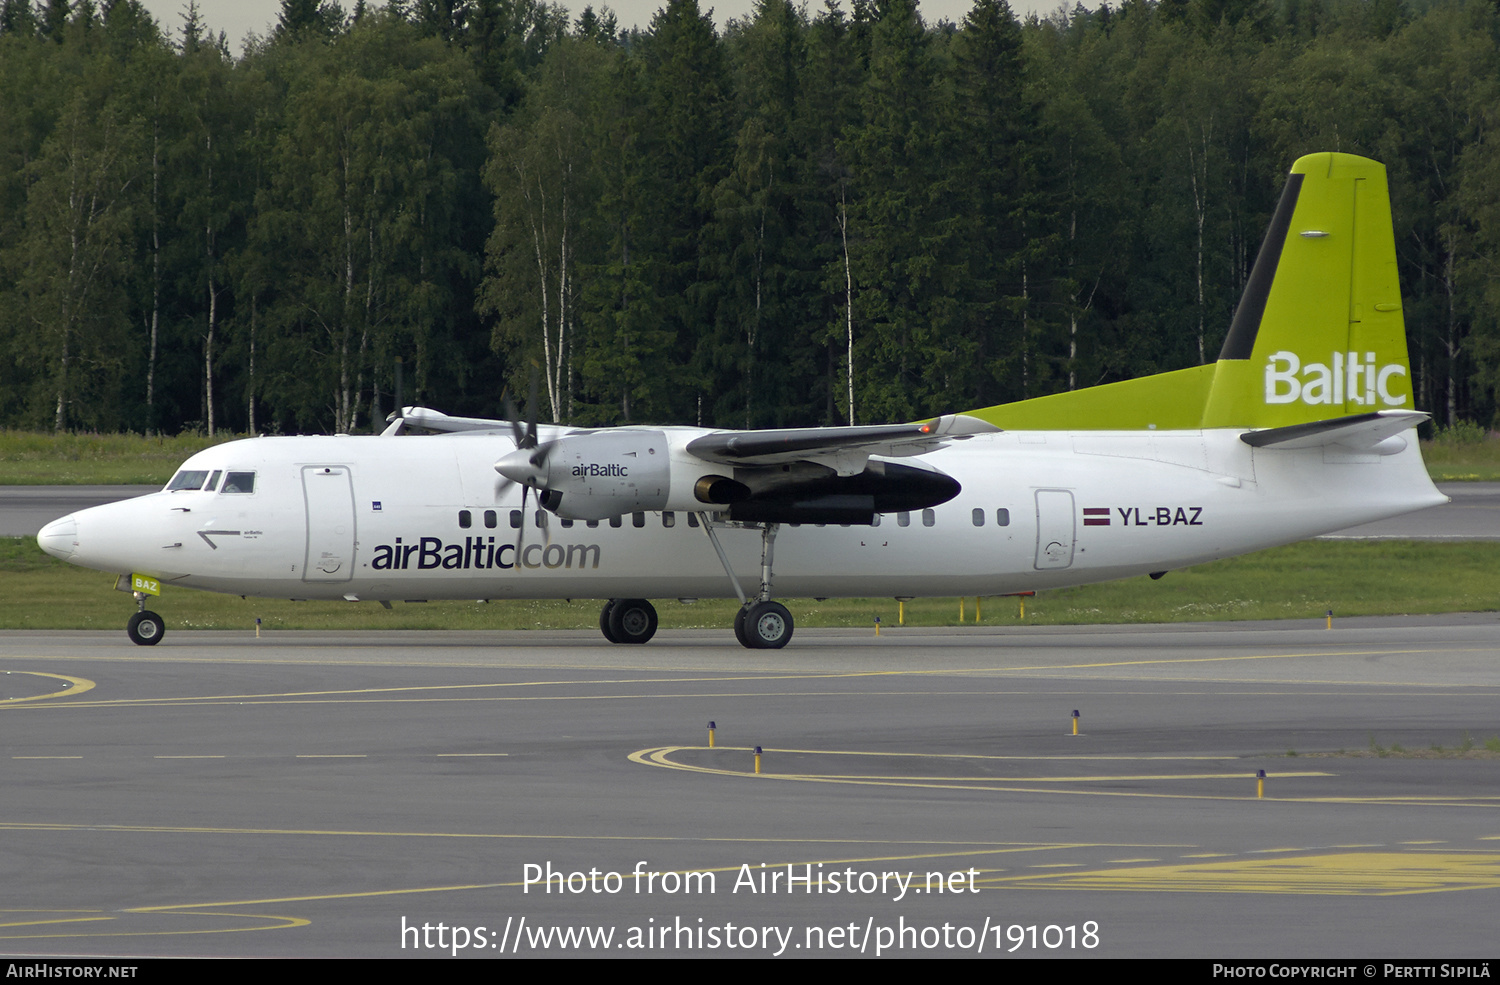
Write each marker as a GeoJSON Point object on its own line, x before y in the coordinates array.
{"type": "Point", "coordinates": [60, 537]}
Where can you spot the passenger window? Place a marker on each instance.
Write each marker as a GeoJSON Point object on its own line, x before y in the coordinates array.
{"type": "Point", "coordinates": [668, 519]}
{"type": "Point", "coordinates": [978, 517]}
{"type": "Point", "coordinates": [541, 519]}
{"type": "Point", "coordinates": [639, 519]}
{"type": "Point", "coordinates": [515, 519]}
{"type": "Point", "coordinates": [617, 522]}
{"type": "Point", "coordinates": [875, 520]}
{"type": "Point", "coordinates": [465, 519]}
{"type": "Point", "coordinates": [903, 519]}
{"type": "Point", "coordinates": [489, 519]}
{"type": "Point", "coordinates": [593, 524]}
{"type": "Point", "coordinates": [1002, 518]}
{"type": "Point", "coordinates": [928, 518]}
{"type": "Point", "coordinates": [692, 519]}
{"type": "Point", "coordinates": [239, 482]}
{"type": "Point", "coordinates": [567, 523]}
{"type": "Point", "coordinates": [187, 480]}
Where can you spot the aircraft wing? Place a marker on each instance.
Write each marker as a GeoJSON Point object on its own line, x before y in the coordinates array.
{"type": "Point", "coordinates": [435, 420]}
{"type": "Point", "coordinates": [843, 448]}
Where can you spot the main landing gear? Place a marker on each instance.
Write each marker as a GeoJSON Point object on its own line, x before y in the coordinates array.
{"type": "Point", "coordinates": [760, 623]}
{"type": "Point", "coordinates": [145, 628]}
{"type": "Point", "coordinates": [628, 620]}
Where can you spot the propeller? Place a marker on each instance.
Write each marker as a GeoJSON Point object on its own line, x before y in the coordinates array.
{"type": "Point", "coordinates": [527, 465]}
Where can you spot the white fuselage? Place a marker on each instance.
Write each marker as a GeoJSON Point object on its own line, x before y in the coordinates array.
{"type": "Point", "coordinates": [381, 518]}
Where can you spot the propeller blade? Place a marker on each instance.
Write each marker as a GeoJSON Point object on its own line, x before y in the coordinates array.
{"type": "Point", "coordinates": [521, 531]}
{"type": "Point", "coordinates": [514, 418]}
{"type": "Point", "coordinates": [531, 411]}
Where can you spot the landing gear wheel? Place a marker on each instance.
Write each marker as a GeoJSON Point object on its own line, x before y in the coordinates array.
{"type": "Point", "coordinates": [739, 626]}
{"type": "Point", "coordinates": [632, 621]}
{"type": "Point", "coordinates": [604, 614]}
{"type": "Point", "coordinates": [145, 628]}
{"type": "Point", "coordinates": [768, 625]}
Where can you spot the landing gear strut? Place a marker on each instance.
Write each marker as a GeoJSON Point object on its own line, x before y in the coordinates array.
{"type": "Point", "coordinates": [628, 620]}
{"type": "Point", "coordinates": [145, 628]}
{"type": "Point", "coordinates": [760, 624]}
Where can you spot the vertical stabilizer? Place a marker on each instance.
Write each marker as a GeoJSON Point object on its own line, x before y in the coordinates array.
{"type": "Point", "coordinates": [1318, 333]}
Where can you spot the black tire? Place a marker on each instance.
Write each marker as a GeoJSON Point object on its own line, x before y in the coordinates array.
{"type": "Point", "coordinates": [145, 628]}
{"type": "Point", "coordinates": [739, 626]}
{"type": "Point", "coordinates": [768, 626]}
{"type": "Point", "coordinates": [632, 620]}
{"type": "Point", "coordinates": [604, 614]}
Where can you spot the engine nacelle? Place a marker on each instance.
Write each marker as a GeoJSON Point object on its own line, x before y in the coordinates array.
{"type": "Point", "coordinates": [594, 476]}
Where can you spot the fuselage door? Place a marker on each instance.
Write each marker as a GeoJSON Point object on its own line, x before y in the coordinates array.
{"type": "Point", "coordinates": [1054, 529]}
{"type": "Point", "coordinates": [329, 494]}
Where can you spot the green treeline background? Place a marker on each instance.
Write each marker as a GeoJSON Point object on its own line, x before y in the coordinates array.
{"type": "Point", "coordinates": [815, 216]}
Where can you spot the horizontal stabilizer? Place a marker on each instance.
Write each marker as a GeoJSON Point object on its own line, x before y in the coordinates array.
{"type": "Point", "coordinates": [1361, 432]}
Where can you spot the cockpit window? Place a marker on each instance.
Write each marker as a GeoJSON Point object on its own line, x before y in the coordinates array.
{"type": "Point", "coordinates": [240, 482]}
{"type": "Point", "coordinates": [187, 479]}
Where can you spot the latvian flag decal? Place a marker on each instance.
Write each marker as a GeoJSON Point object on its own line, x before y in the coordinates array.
{"type": "Point", "coordinates": [1096, 516]}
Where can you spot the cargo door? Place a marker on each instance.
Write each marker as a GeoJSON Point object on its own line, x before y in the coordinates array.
{"type": "Point", "coordinates": [1054, 529]}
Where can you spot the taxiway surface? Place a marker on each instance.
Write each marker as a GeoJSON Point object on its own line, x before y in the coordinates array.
{"type": "Point", "coordinates": [313, 794]}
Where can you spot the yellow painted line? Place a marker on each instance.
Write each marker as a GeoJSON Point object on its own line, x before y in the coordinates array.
{"type": "Point", "coordinates": [660, 756]}
{"type": "Point", "coordinates": [947, 672]}
{"type": "Point", "coordinates": [503, 836]}
{"type": "Point", "coordinates": [51, 920]}
{"type": "Point", "coordinates": [76, 685]}
{"type": "Point", "coordinates": [276, 923]}
{"type": "Point", "coordinates": [1107, 778]}
{"type": "Point", "coordinates": [1068, 757]}
{"type": "Point", "coordinates": [1344, 874]}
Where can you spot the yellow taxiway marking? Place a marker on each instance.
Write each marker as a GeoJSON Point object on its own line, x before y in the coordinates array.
{"type": "Point", "coordinates": [128, 918]}
{"type": "Point", "coordinates": [661, 756]}
{"type": "Point", "coordinates": [375, 694]}
{"type": "Point", "coordinates": [1343, 874]}
{"type": "Point", "coordinates": [958, 847]}
{"type": "Point", "coordinates": [76, 685]}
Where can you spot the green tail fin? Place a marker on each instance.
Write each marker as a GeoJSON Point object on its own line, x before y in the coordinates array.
{"type": "Point", "coordinates": [1318, 333]}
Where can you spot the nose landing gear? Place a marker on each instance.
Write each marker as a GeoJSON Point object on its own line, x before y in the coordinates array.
{"type": "Point", "coordinates": [145, 628]}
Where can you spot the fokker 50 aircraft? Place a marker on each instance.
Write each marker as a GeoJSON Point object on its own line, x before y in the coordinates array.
{"type": "Point", "coordinates": [1302, 426]}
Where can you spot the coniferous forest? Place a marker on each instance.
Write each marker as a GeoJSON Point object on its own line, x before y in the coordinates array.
{"type": "Point", "coordinates": [812, 217]}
